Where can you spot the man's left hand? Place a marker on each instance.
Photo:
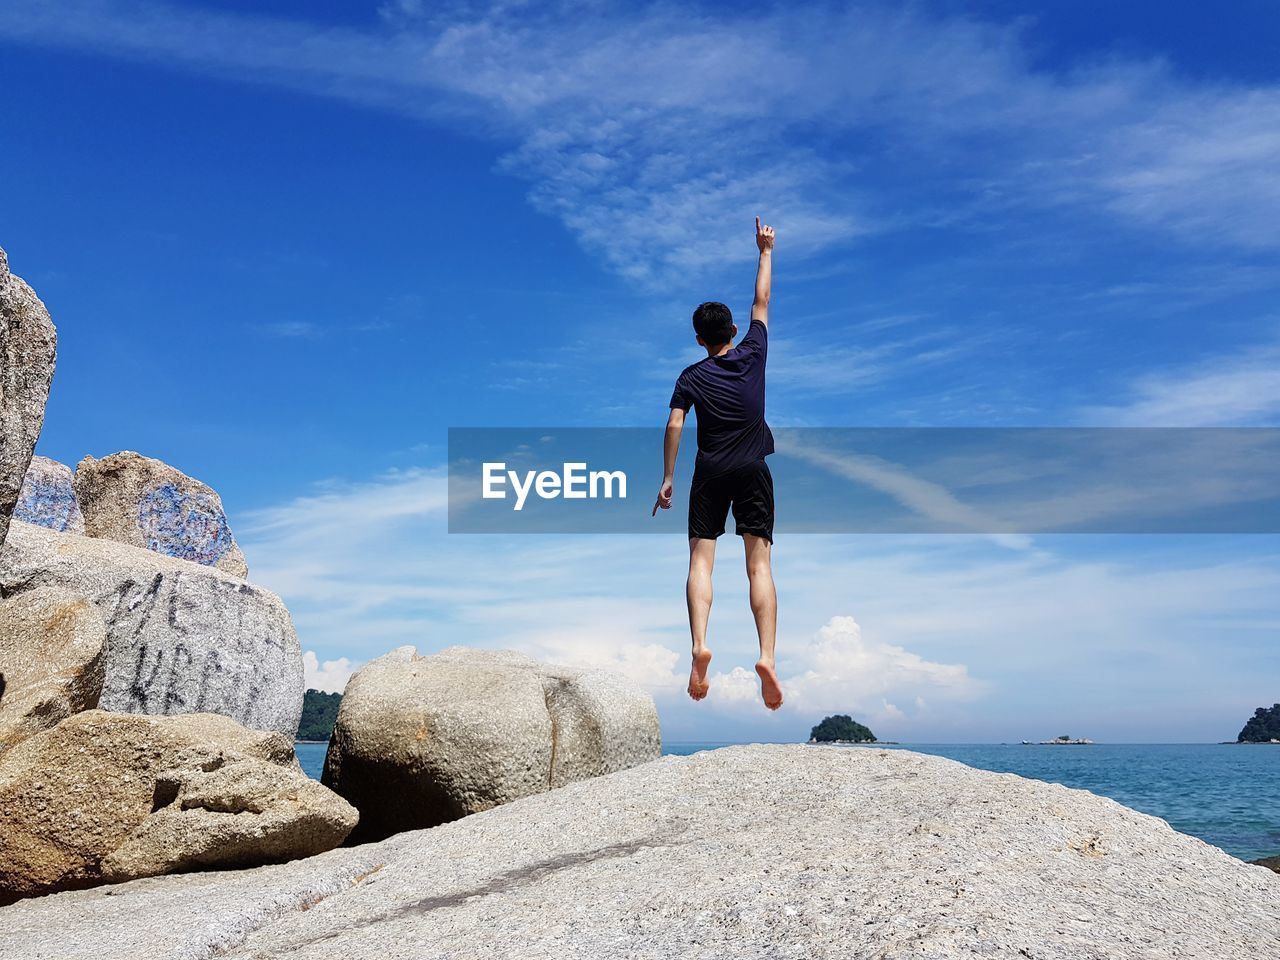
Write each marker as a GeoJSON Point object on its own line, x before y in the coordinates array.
{"type": "Point", "coordinates": [664, 498]}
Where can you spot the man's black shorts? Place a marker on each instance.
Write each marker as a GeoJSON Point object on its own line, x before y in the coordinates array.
{"type": "Point", "coordinates": [749, 489]}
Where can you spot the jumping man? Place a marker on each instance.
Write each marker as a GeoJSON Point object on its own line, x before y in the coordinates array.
{"type": "Point", "coordinates": [727, 391]}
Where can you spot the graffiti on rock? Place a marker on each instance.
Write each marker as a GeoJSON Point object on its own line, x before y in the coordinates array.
{"type": "Point", "coordinates": [167, 660]}
{"type": "Point", "coordinates": [48, 500]}
{"type": "Point", "coordinates": [189, 526]}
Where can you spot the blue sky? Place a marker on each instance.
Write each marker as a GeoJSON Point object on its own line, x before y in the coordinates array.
{"type": "Point", "coordinates": [288, 244]}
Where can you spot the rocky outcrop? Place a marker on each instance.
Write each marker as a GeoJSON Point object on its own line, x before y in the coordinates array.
{"type": "Point", "coordinates": [147, 503]}
{"type": "Point", "coordinates": [28, 345]}
{"type": "Point", "coordinates": [424, 740]}
{"type": "Point", "coordinates": [48, 497]}
{"type": "Point", "coordinates": [760, 851]}
{"type": "Point", "coordinates": [108, 797]}
{"type": "Point", "coordinates": [51, 646]}
{"type": "Point", "coordinates": [181, 638]}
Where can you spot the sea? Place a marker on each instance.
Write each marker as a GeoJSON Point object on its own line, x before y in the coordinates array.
{"type": "Point", "coordinates": [1225, 794]}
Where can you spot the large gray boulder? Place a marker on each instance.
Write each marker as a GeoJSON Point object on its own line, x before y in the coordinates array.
{"type": "Point", "coordinates": [423, 740]}
{"type": "Point", "coordinates": [796, 852]}
{"type": "Point", "coordinates": [28, 346]}
{"type": "Point", "coordinates": [105, 797]}
{"type": "Point", "coordinates": [147, 503]}
{"type": "Point", "coordinates": [48, 497]}
{"type": "Point", "coordinates": [51, 647]}
{"type": "Point", "coordinates": [181, 637]}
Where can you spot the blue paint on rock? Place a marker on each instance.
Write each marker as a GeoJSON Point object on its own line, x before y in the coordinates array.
{"type": "Point", "coordinates": [189, 526]}
{"type": "Point", "coordinates": [48, 500]}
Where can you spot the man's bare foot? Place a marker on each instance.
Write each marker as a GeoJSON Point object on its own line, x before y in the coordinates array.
{"type": "Point", "coordinates": [770, 689]}
{"type": "Point", "coordinates": [698, 685]}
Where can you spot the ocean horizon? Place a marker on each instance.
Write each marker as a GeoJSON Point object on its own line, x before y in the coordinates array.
{"type": "Point", "coordinates": [1226, 794]}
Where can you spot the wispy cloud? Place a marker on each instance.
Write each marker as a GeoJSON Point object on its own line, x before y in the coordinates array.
{"type": "Point", "coordinates": [1233, 390]}
{"type": "Point", "coordinates": [292, 330]}
{"type": "Point", "coordinates": [844, 368]}
{"type": "Point", "coordinates": [655, 133]}
{"type": "Point", "coordinates": [308, 545]}
{"type": "Point", "coordinates": [1202, 165]}
{"type": "Point", "coordinates": [930, 500]}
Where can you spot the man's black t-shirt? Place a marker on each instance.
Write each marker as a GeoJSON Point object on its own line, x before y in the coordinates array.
{"type": "Point", "coordinates": [727, 394]}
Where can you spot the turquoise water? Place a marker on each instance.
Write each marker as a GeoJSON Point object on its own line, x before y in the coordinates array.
{"type": "Point", "coordinates": [1225, 794]}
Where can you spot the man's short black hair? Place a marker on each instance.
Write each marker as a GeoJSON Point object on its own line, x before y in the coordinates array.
{"type": "Point", "coordinates": [713, 322]}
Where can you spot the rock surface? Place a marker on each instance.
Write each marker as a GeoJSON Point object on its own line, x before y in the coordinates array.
{"type": "Point", "coordinates": [28, 346]}
{"type": "Point", "coordinates": [181, 638]}
{"type": "Point", "coordinates": [147, 503]}
{"type": "Point", "coordinates": [51, 656]}
{"type": "Point", "coordinates": [48, 497]}
{"type": "Point", "coordinates": [423, 740]}
{"type": "Point", "coordinates": [108, 797]}
{"type": "Point", "coordinates": [761, 851]}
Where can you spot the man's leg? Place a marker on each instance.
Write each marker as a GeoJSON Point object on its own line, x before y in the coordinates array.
{"type": "Point", "coordinates": [764, 607]}
{"type": "Point", "coordinates": [702, 558]}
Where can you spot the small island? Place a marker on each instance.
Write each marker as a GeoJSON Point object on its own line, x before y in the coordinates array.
{"type": "Point", "coordinates": [1062, 741]}
{"type": "Point", "coordinates": [841, 729]}
{"type": "Point", "coordinates": [319, 714]}
{"type": "Point", "coordinates": [1263, 726]}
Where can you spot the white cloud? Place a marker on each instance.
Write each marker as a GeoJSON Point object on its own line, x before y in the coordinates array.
{"type": "Point", "coordinates": [1077, 632]}
{"type": "Point", "coordinates": [1001, 483]}
{"type": "Point", "coordinates": [835, 670]}
{"type": "Point", "coordinates": [367, 567]}
{"type": "Point", "coordinates": [847, 366]}
{"type": "Point", "coordinates": [307, 545]}
{"type": "Point", "coordinates": [1203, 166]}
{"type": "Point", "coordinates": [844, 672]}
{"type": "Point", "coordinates": [838, 671]}
{"type": "Point", "coordinates": [1239, 389]}
{"type": "Point", "coordinates": [655, 133]}
{"type": "Point", "coordinates": [893, 713]}
{"type": "Point", "coordinates": [615, 633]}
{"type": "Point", "coordinates": [328, 677]}
{"type": "Point", "coordinates": [1093, 639]}
{"type": "Point", "coordinates": [291, 329]}
{"type": "Point", "coordinates": [931, 501]}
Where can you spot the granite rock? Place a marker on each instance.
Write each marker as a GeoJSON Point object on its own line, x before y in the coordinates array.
{"type": "Point", "coordinates": [28, 348]}
{"type": "Point", "coordinates": [51, 646]}
{"type": "Point", "coordinates": [787, 852]}
{"type": "Point", "coordinates": [423, 740]}
{"type": "Point", "coordinates": [181, 637]}
{"type": "Point", "coordinates": [48, 497]}
{"type": "Point", "coordinates": [147, 503]}
{"type": "Point", "coordinates": [106, 797]}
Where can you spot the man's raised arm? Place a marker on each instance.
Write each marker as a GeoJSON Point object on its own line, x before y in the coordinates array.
{"type": "Point", "coordinates": [764, 273]}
